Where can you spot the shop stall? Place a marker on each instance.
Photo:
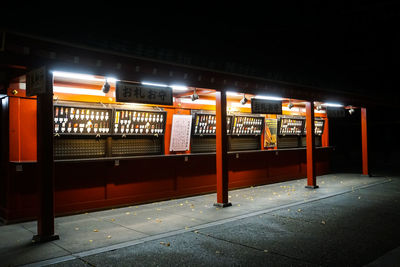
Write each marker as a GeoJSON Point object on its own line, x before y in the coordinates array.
{"type": "Point", "coordinates": [109, 153]}
{"type": "Point", "coordinates": [75, 138]}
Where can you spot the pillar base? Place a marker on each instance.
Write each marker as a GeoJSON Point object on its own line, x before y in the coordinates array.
{"type": "Point", "coordinates": [223, 205]}
{"type": "Point", "coordinates": [43, 239]}
{"type": "Point", "coordinates": [312, 186]}
{"type": "Point", "coordinates": [366, 175]}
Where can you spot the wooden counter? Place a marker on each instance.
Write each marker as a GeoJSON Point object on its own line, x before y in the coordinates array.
{"type": "Point", "coordinates": [91, 184]}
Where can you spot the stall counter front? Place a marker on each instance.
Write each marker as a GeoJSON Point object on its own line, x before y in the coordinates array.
{"type": "Point", "coordinates": [93, 184]}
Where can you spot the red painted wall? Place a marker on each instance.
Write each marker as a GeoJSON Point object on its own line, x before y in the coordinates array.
{"type": "Point", "coordinates": [91, 185]}
{"type": "Point", "coordinates": [22, 129]}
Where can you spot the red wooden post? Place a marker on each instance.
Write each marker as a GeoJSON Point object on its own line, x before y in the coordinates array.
{"type": "Point", "coordinates": [310, 138]}
{"type": "Point", "coordinates": [45, 162]}
{"type": "Point", "coordinates": [364, 141]}
{"type": "Point", "coordinates": [325, 135]}
{"type": "Point", "coordinates": [222, 151]}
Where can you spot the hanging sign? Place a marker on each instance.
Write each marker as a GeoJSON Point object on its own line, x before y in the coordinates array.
{"type": "Point", "coordinates": [263, 106]}
{"type": "Point", "coordinates": [335, 112]}
{"type": "Point", "coordinates": [146, 94]}
{"type": "Point", "coordinates": [36, 82]}
{"type": "Point", "coordinates": [180, 133]}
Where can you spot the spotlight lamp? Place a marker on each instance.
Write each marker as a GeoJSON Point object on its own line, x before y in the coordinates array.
{"type": "Point", "coordinates": [319, 107]}
{"type": "Point", "coordinates": [351, 110]}
{"type": "Point", "coordinates": [244, 100]}
{"type": "Point", "coordinates": [290, 105]}
{"type": "Point", "coordinates": [106, 87]}
{"type": "Point", "coordinates": [195, 96]}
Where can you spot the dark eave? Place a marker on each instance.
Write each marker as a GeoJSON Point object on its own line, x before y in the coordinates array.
{"type": "Point", "coordinates": [20, 51]}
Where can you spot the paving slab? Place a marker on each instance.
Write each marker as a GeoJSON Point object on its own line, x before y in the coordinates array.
{"type": "Point", "coordinates": [301, 234]}
{"type": "Point", "coordinates": [159, 222]}
{"type": "Point", "coordinates": [257, 214]}
{"type": "Point", "coordinates": [93, 233]}
{"type": "Point", "coordinates": [21, 250]}
{"type": "Point", "coordinates": [16, 247]}
{"type": "Point", "coordinates": [72, 263]}
{"type": "Point", "coordinates": [191, 249]}
{"type": "Point", "coordinates": [387, 260]}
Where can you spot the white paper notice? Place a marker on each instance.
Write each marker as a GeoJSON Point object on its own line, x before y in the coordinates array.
{"type": "Point", "coordinates": [180, 134]}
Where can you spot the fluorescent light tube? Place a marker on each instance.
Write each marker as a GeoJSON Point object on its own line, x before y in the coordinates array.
{"type": "Point", "coordinates": [179, 87]}
{"type": "Point", "coordinates": [154, 84]}
{"type": "Point", "coordinates": [332, 105]}
{"type": "Point", "coordinates": [231, 93]}
{"type": "Point", "coordinates": [79, 76]}
{"type": "Point", "coordinates": [238, 105]}
{"type": "Point", "coordinates": [174, 87]}
{"type": "Point", "coordinates": [198, 101]}
{"type": "Point", "coordinates": [269, 97]}
{"type": "Point", "coordinates": [77, 91]}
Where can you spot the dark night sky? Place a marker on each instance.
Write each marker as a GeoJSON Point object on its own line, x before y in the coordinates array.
{"type": "Point", "coordinates": [345, 45]}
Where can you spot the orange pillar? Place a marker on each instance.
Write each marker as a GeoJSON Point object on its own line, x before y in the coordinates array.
{"type": "Point", "coordinates": [222, 151]}
{"type": "Point", "coordinates": [364, 141]}
{"type": "Point", "coordinates": [310, 138]}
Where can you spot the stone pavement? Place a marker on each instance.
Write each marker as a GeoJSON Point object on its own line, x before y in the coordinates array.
{"type": "Point", "coordinates": [350, 220]}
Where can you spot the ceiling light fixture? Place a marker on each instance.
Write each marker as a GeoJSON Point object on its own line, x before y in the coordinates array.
{"type": "Point", "coordinates": [290, 105]}
{"type": "Point", "coordinates": [106, 87]}
{"type": "Point", "coordinates": [244, 100]}
{"type": "Point", "coordinates": [195, 96]}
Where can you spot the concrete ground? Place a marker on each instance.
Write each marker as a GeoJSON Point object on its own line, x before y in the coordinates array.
{"type": "Point", "coordinates": [350, 220]}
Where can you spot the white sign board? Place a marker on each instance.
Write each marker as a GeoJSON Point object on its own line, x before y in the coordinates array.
{"type": "Point", "coordinates": [180, 133]}
{"type": "Point", "coordinates": [36, 82]}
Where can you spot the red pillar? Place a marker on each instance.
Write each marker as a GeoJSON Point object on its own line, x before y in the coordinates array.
{"type": "Point", "coordinates": [45, 162]}
{"type": "Point", "coordinates": [222, 151]}
{"type": "Point", "coordinates": [364, 141]}
{"type": "Point", "coordinates": [325, 134]}
{"type": "Point", "coordinates": [310, 138]}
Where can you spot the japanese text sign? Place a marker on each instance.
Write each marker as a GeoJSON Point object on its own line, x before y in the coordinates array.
{"type": "Point", "coordinates": [334, 112]}
{"type": "Point", "coordinates": [36, 82]}
{"type": "Point", "coordinates": [262, 106]}
{"type": "Point", "coordinates": [180, 133]}
{"type": "Point", "coordinates": [146, 94]}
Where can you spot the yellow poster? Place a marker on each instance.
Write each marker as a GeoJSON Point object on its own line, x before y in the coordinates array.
{"type": "Point", "coordinates": [270, 133]}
